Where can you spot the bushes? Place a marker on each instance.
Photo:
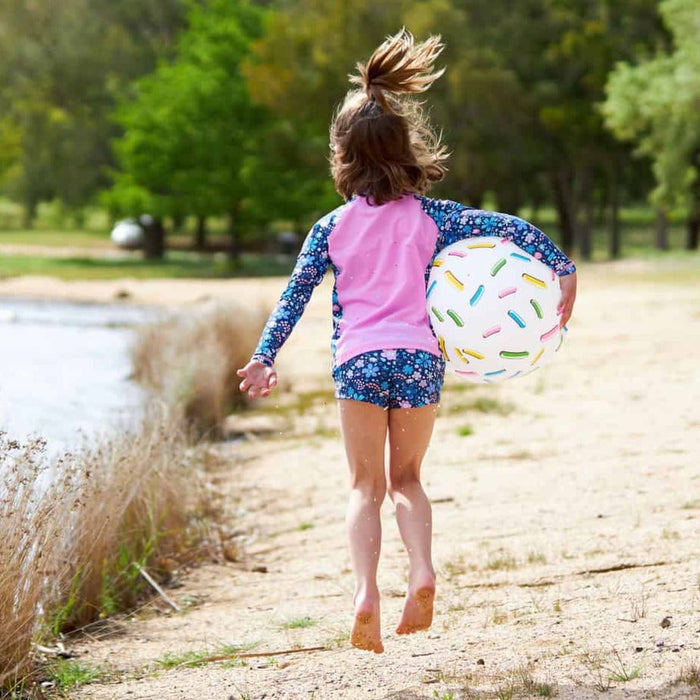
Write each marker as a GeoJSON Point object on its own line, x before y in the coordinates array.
{"type": "Point", "coordinates": [190, 364]}
{"type": "Point", "coordinates": [30, 562]}
{"type": "Point", "coordinates": [76, 533]}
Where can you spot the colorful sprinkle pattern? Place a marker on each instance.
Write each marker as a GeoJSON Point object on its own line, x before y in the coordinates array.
{"type": "Point", "coordinates": [501, 320]}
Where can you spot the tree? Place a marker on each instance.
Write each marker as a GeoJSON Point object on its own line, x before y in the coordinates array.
{"type": "Point", "coordinates": [299, 71]}
{"type": "Point", "coordinates": [518, 102]}
{"type": "Point", "coordinates": [192, 137]}
{"type": "Point", "coordinates": [61, 67]}
{"type": "Point", "coordinates": [562, 56]}
{"type": "Point", "coordinates": [655, 105]}
{"type": "Point", "coordinates": [486, 115]}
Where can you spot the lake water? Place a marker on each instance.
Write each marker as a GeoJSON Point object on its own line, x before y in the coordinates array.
{"type": "Point", "coordinates": [64, 370]}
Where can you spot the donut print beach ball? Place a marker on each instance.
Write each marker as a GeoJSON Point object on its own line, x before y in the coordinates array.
{"type": "Point", "coordinates": [493, 308]}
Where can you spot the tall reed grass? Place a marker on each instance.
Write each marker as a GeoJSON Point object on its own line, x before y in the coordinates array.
{"type": "Point", "coordinates": [190, 363]}
{"type": "Point", "coordinates": [76, 532]}
{"type": "Point", "coordinates": [30, 563]}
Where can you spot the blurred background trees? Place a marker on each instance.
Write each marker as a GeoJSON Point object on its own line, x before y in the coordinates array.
{"type": "Point", "coordinates": [656, 105]}
{"type": "Point", "coordinates": [63, 67]}
{"type": "Point", "coordinates": [193, 110]}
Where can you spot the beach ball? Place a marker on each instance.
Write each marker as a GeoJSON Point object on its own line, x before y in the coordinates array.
{"type": "Point", "coordinates": [493, 308]}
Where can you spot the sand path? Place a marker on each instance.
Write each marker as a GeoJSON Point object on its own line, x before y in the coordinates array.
{"type": "Point", "coordinates": [566, 531]}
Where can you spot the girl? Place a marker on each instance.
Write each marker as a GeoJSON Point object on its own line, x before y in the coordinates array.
{"type": "Point", "coordinates": [387, 367]}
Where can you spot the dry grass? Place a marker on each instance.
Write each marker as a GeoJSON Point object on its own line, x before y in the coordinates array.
{"type": "Point", "coordinates": [190, 364]}
{"type": "Point", "coordinates": [78, 530]}
{"type": "Point", "coordinates": [75, 533]}
{"type": "Point", "coordinates": [139, 508]}
{"type": "Point", "coordinates": [29, 562]}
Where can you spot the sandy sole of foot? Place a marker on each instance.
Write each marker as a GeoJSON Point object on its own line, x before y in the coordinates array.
{"type": "Point", "coordinates": [566, 512]}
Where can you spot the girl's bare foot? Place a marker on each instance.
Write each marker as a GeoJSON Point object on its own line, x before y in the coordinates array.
{"type": "Point", "coordinates": [366, 632]}
{"type": "Point", "coordinates": [417, 610]}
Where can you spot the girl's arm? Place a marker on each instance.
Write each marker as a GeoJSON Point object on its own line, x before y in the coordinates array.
{"type": "Point", "coordinates": [456, 222]}
{"type": "Point", "coordinates": [259, 376]}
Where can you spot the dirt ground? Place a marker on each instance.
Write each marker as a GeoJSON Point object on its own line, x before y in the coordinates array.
{"type": "Point", "coordinates": [566, 512]}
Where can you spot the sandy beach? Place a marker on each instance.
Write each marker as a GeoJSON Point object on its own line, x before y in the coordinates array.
{"type": "Point", "coordinates": [566, 512]}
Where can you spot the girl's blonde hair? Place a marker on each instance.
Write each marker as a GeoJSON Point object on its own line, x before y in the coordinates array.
{"type": "Point", "coordinates": [382, 143]}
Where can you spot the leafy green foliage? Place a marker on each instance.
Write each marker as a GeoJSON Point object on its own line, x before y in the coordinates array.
{"type": "Point", "coordinates": [192, 137]}
{"type": "Point", "coordinates": [62, 66]}
{"type": "Point", "coordinates": [655, 105]}
{"type": "Point", "coordinates": [230, 116]}
{"type": "Point", "coordinates": [518, 102]}
{"type": "Point", "coordinates": [177, 265]}
{"type": "Point", "coordinates": [67, 674]}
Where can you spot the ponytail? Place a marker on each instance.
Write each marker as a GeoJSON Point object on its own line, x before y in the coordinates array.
{"type": "Point", "coordinates": [399, 66]}
{"type": "Point", "coordinates": [382, 144]}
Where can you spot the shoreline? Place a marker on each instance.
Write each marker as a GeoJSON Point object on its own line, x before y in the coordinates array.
{"type": "Point", "coordinates": [155, 292]}
{"type": "Point", "coordinates": [169, 292]}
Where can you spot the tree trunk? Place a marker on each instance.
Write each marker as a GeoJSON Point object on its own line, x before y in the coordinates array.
{"type": "Point", "coordinates": [79, 218]}
{"type": "Point", "coordinates": [30, 211]}
{"type": "Point", "coordinates": [200, 234]}
{"type": "Point", "coordinates": [234, 249]}
{"type": "Point", "coordinates": [563, 194]}
{"type": "Point", "coordinates": [153, 239]}
{"type": "Point", "coordinates": [693, 223]}
{"type": "Point", "coordinates": [615, 238]}
{"type": "Point", "coordinates": [661, 230]}
{"type": "Point", "coordinates": [693, 228]}
{"type": "Point", "coordinates": [587, 223]}
{"type": "Point", "coordinates": [178, 222]}
{"type": "Point", "coordinates": [509, 201]}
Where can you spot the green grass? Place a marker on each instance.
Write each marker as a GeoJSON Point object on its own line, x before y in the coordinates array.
{"type": "Point", "coordinates": [623, 674]}
{"type": "Point", "coordinates": [689, 674]}
{"type": "Point", "coordinates": [503, 561]}
{"type": "Point", "coordinates": [68, 674]}
{"type": "Point", "coordinates": [175, 265]}
{"type": "Point", "coordinates": [53, 237]}
{"type": "Point", "coordinates": [299, 623]}
{"type": "Point", "coordinates": [199, 658]}
{"type": "Point", "coordinates": [56, 238]}
{"type": "Point", "coordinates": [443, 696]}
{"type": "Point", "coordinates": [187, 658]}
{"type": "Point", "coordinates": [480, 404]}
{"type": "Point", "coordinates": [465, 431]}
{"type": "Point", "coordinates": [536, 558]}
{"type": "Point", "coordinates": [306, 400]}
{"type": "Point", "coordinates": [673, 266]}
{"type": "Point", "coordinates": [612, 669]}
{"type": "Point", "coordinates": [519, 683]}
{"type": "Point", "coordinates": [676, 267]}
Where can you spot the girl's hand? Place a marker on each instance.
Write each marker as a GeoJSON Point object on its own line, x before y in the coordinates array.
{"type": "Point", "coordinates": [258, 379]}
{"type": "Point", "coordinates": [568, 297]}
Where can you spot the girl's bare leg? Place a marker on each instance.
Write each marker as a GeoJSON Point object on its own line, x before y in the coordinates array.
{"type": "Point", "coordinates": [364, 428]}
{"type": "Point", "coordinates": [409, 435]}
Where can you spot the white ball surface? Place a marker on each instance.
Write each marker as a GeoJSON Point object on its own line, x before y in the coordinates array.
{"type": "Point", "coordinates": [494, 309]}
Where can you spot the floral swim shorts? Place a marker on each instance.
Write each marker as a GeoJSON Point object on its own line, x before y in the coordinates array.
{"type": "Point", "coordinates": [391, 378]}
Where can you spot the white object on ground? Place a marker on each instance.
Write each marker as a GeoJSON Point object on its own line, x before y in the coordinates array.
{"type": "Point", "coordinates": [127, 233]}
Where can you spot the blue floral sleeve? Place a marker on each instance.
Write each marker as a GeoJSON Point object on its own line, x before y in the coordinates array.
{"type": "Point", "coordinates": [308, 273]}
{"type": "Point", "coordinates": [456, 221]}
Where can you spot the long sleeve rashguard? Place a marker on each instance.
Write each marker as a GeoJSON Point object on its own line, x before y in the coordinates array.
{"type": "Point", "coordinates": [381, 257]}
